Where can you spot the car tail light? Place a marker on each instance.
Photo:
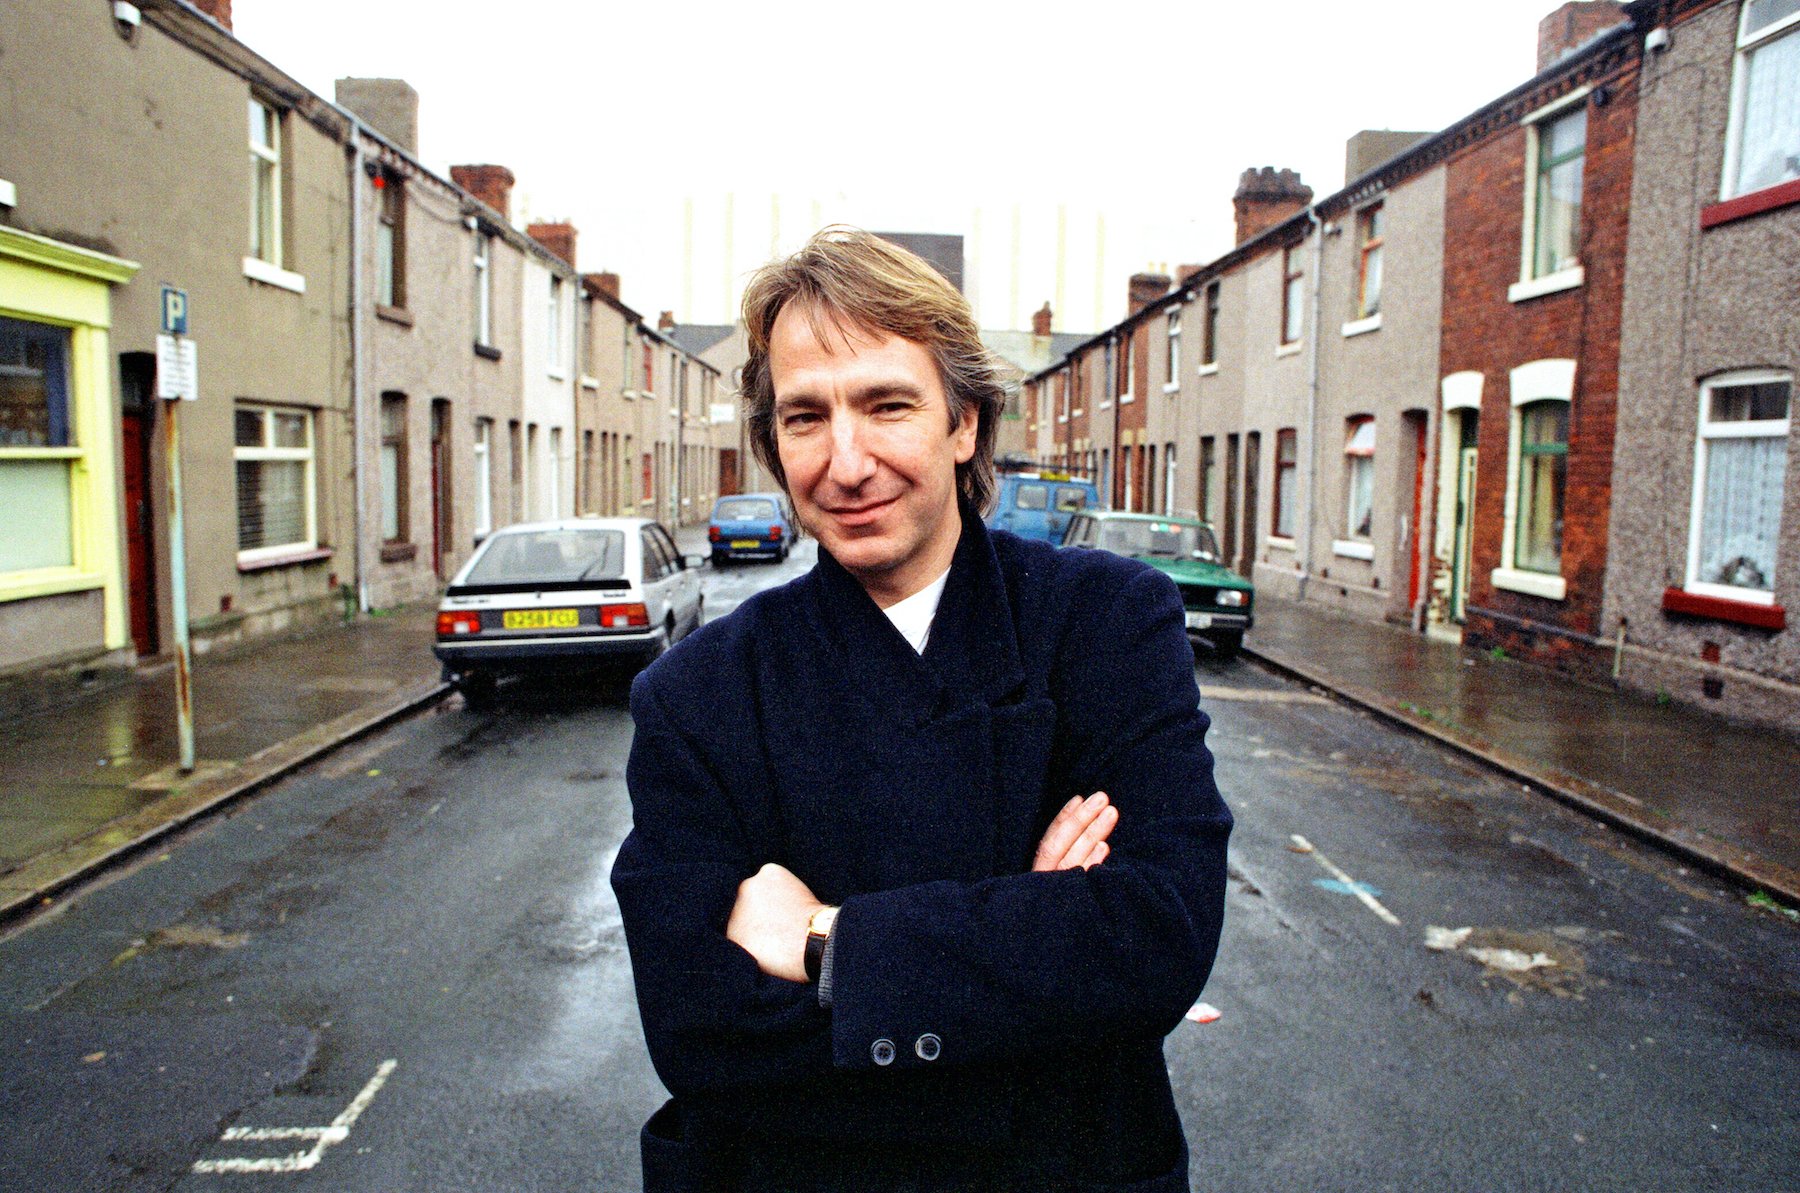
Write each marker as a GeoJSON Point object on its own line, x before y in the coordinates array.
{"type": "Point", "coordinates": [450, 624]}
{"type": "Point", "coordinates": [774, 533]}
{"type": "Point", "coordinates": [712, 533]}
{"type": "Point", "coordinates": [619, 617]}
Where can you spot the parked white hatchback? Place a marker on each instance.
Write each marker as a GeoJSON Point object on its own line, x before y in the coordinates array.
{"type": "Point", "coordinates": [558, 596]}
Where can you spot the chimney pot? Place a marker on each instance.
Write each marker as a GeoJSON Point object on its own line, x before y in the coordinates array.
{"type": "Point", "coordinates": [1265, 197]}
{"type": "Point", "coordinates": [665, 321]}
{"type": "Point", "coordinates": [491, 184]}
{"type": "Point", "coordinates": [1042, 320]}
{"type": "Point", "coordinates": [558, 237]}
{"type": "Point", "coordinates": [1146, 288]}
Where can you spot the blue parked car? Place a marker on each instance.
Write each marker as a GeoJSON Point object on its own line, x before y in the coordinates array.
{"type": "Point", "coordinates": [1038, 505]}
{"type": "Point", "coordinates": [750, 526]}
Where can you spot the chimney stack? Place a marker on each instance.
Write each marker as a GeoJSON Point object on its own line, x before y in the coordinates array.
{"type": "Point", "coordinates": [1146, 288]}
{"type": "Point", "coordinates": [559, 238]}
{"type": "Point", "coordinates": [602, 283]}
{"type": "Point", "coordinates": [1265, 198]}
{"type": "Point", "coordinates": [218, 10]}
{"type": "Point", "coordinates": [491, 184]}
{"type": "Point", "coordinates": [389, 106]}
{"type": "Point", "coordinates": [1572, 26]}
{"type": "Point", "coordinates": [665, 321]}
{"type": "Point", "coordinates": [1041, 321]}
{"type": "Point", "coordinates": [1184, 272]}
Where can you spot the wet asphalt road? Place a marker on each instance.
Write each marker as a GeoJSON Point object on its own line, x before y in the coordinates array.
{"type": "Point", "coordinates": [410, 953]}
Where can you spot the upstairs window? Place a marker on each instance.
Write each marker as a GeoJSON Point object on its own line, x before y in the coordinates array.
{"type": "Point", "coordinates": [1559, 152]}
{"type": "Point", "coordinates": [1173, 376]}
{"type": "Point", "coordinates": [1371, 223]}
{"type": "Point", "coordinates": [1209, 330]}
{"type": "Point", "coordinates": [1740, 470]}
{"type": "Point", "coordinates": [484, 289]}
{"type": "Point", "coordinates": [556, 319]}
{"type": "Point", "coordinates": [390, 241]}
{"type": "Point", "coordinates": [1762, 146]}
{"type": "Point", "coordinates": [265, 182]}
{"type": "Point", "coordinates": [1293, 294]}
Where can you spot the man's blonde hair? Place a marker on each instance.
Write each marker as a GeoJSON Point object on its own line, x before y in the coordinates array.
{"type": "Point", "coordinates": [849, 277]}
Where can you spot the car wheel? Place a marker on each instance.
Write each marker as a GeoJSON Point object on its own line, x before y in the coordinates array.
{"type": "Point", "coordinates": [719, 559]}
{"type": "Point", "coordinates": [1226, 643]}
{"type": "Point", "coordinates": [479, 690]}
{"type": "Point", "coordinates": [782, 556]}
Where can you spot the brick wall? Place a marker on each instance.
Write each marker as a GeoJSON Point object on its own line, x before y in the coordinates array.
{"type": "Point", "coordinates": [1485, 332]}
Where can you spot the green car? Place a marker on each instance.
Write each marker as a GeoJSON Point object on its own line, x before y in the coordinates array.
{"type": "Point", "coordinates": [1220, 603]}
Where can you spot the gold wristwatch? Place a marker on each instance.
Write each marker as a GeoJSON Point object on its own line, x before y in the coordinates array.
{"type": "Point", "coordinates": [818, 931]}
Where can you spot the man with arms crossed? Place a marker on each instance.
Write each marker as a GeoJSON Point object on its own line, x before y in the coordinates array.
{"type": "Point", "coordinates": [927, 855]}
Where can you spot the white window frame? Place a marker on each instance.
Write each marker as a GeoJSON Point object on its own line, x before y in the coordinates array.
{"type": "Point", "coordinates": [1129, 393]}
{"type": "Point", "coordinates": [1356, 457]}
{"type": "Point", "coordinates": [307, 455]}
{"type": "Point", "coordinates": [1172, 382]}
{"type": "Point", "coordinates": [1551, 379]}
{"type": "Point", "coordinates": [484, 475]}
{"type": "Point", "coordinates": [1749, 41]}
{"type": "Point", "coordinates": [484, 287]}
{"type": "Point", "coordinates": [1768, 428]}
{"type": "Point", "coordinates": [553, 475]}
{"type": "Point", "coordinates": [269, 156]}
{"type": "Point", "coordinates": [1531, 285]}
{"type": "Point", "coordinates": [555, 338]}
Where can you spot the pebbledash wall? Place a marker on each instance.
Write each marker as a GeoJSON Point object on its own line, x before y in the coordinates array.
{"type": "Point", "coordinates": [1712, 273]}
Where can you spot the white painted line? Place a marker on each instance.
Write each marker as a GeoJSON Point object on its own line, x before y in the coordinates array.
{"type": "Point", "coordinates": [1356, 888]}
{"type": "Point", "coordinates": [337, 1132]}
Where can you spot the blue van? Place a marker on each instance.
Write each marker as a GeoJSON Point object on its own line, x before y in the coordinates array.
{"type": "Point", "coordinates": [1038, 505]}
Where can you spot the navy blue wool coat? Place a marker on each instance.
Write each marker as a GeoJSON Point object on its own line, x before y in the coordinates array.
{"type": "Point", "coordinates": [912, 791]}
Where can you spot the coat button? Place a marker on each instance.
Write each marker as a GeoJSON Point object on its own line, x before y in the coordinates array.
{"type": "Point", "coordinates": [928, 1046]}
{"type": "Point", "coordinates": [882, 1051]}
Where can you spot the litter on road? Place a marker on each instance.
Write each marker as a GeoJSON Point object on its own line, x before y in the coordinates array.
{"type": "Point", "coordinates": [1203, 1012]}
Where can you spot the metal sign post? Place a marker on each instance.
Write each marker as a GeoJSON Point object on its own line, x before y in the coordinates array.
{"type": "Point", "coordinates": [177, 381]}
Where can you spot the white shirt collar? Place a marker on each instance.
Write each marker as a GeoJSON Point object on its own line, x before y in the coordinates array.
{"type": "Point", "coordinates": [912, 616]}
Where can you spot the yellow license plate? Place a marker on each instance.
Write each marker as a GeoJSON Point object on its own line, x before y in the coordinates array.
{"type": "Point", "coordinates": [745, 544]}
{"type": "Point", "coordinates": [540, 619]}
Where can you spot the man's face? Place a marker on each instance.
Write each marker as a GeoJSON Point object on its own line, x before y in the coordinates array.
{"type": "Point", "coordinates": [862, 427]}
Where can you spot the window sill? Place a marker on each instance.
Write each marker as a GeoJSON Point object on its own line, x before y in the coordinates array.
{"type": "Point", "coordinates": [1551, 283]}
{"type": "Point", "coordinates": [258, 270]}
{"type": "Point", "coordinates": [1280, 542]}
{"type": "Point", "coordinates": [556, 374]}
{"type": "Point", "coordinates": [1127, 399]}
{"type": "Point", "coordinates": [1351, 549]}
{"type": "Point", "coordinates": [1207, 370]}
{"type": "Point", "coordinates": [1750, 613]}
{"type": "Point", "coordinates": [1172, 387]}
{"type": "Point", "coordinates": [1770, 198]}
{"type": "Point", "coordinates": [588, 382]}
{"type": "Point", "coordinates": [486, 351]}
{"type": "Point", "coordinates": [1537, 584]}
{"type": "Point", "coordinates": [1357, 327]}
{"type": "Point", "coordinates": [1292, 349]}
{"type": "Point", "coordinates": [398, 315]}
{"type": "Point", "coordinates": [263, 563]}
{"type": "Point", "coordinates": [398, 552]}
{"type": "Point", "coordinates": [19, 586]}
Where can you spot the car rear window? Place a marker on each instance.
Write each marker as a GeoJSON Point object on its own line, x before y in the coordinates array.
{"type": "Point", "coordinates": [744, 511]}
{"type": "Point", "coordinates": [1162, 540]}
{"type": "Point", "coordinates": [1070, 498]}
{"type": "Point", "coordinates": [551, 555]}
{"type": "Point", "coordinates": [1032, 497]}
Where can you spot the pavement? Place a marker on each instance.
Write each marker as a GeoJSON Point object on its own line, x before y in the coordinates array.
{"type": "Point", "coordinates": [88, 777]}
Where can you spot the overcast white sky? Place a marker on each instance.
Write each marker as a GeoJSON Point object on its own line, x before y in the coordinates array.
{"type": "Point", "coordinates": [690, 141]}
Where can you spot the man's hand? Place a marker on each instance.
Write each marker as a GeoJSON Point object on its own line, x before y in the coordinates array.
{"type": "Point", "coordinates": [1077, 837]}
{"type": "Point", "coordinates": [769, 919]}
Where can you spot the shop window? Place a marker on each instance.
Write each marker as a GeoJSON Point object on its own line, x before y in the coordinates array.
{"type": "Point", "coordinates": [1740, 469]}
{"type": "Point", "coordinates": [273, 454]}
{"type": "Point", "coordinates": [1286, 471]}
{"type": "Point", "coordinates": [37, 447]}
{"type": "Point", "coordinates": [1359, 478]}
{"type": "Point", "coordinates": [1762, 146]}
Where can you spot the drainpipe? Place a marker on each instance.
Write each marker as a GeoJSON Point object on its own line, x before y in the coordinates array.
{"type": "Point", "coordinates": [358, 416]}
{"type": "Point", "coordinates": [1312, 401]}
{"type": "Point", "coordinates": [1109, 385]}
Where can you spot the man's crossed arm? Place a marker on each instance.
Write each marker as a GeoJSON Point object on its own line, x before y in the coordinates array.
{"type": "Point", "coordinates": [773, 908]}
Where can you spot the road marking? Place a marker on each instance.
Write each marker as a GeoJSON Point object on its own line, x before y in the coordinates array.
{"type": "Point", "coordinates": [1356, 888]}
{"type": "Point", "coordinates": [1261, 695]}
{"type": "Point", "coordinates": [336, 1132]}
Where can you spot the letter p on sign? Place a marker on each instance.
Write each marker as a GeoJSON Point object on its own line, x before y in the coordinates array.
{"type": "Point", "coordinates": [174, 311]}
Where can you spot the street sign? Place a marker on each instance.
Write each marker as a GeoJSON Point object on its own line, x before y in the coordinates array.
{"type": "Point", "coordinates": [177, 367]}
{"type": "Point", "coordinates": [174, 311]}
